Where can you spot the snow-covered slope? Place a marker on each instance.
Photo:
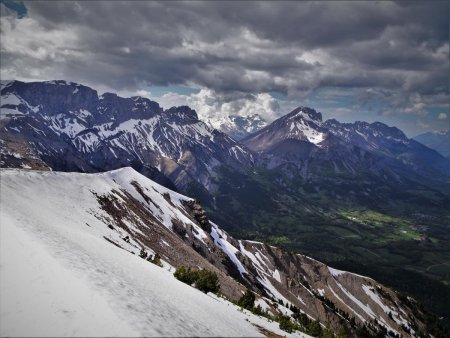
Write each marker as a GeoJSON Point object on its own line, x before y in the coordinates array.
{"type": "Point", "coordinates": [61, 276]}
{"type": "Point", "coordinates": [70, 244]}
{"type": "Point", "coordinates": [69, 254]}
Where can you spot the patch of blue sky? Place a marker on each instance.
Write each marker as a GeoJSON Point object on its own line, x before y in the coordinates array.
{"type": "Point", "coordinates": [158, 91]}
{"type": "Point", "coordinates": [16, 6]}
{"type": "Point", "coordinates": [278, 95]}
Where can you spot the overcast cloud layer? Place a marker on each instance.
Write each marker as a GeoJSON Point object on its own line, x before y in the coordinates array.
{"type": "Point", "coordinates": [353, 60]}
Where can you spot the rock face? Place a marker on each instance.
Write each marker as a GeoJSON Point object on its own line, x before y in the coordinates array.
{"type": "Point", "coordinates": [199, 214]}
{"type": "Point", "coordinates": [131, 212]}
{"type": "Point", "coordinates": [321, 291]}
{"type": "Point", "coordinates": [67, 126]}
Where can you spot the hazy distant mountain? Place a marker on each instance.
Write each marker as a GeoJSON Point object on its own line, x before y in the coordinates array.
{"type": "Point", "coordinates": [437, 140]}
{"type": "Point", "coordinates": [237, 126]}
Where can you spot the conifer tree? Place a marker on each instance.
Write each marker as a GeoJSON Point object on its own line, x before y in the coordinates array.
{"type": "Point", "coordinates": [247, 301]}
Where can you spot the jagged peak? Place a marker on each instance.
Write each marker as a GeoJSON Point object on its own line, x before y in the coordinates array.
{"type": "Point", "coordinates": [138, 103]}
{"type": "Point", "coordinates": [13, 85]}
{"type": "Point", "coordinates": [62, 83]}
{"type": "Point", "coordinates": [108, 96]}
{"type": "Point", "coordinates": [332, 120]}
{"type": "Point", "coordinates": [146, 102]}
{"type": "Point", "coordinates": [384, 128]}
{"type": "Point", "coordinates": [377, 128]}
{"type": "Point", "coordinates": [305, 113]}
{"type": "Point", "coordinates": [183, 112]}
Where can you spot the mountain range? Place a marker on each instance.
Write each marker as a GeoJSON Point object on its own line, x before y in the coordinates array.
{"type": "Point", "coordinates": [359, 196]}
{"type": "Point", "coordinates": [302, 135]}
{"type": "Point", "coordinates": [70, 127]}
{"type": "Point", "coordinates": [89, 132]}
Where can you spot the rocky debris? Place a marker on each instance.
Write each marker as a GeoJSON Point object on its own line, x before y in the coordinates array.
{"type": "Point", "coordinates": [199, 214]}
{"type": "Point", "coordinates": [177, 247]}
{"type": "Point", "coordinates": [322, 292]}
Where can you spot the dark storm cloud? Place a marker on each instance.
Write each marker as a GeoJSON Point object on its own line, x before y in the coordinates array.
{"type": "Point", "coordinates": [234, 47]}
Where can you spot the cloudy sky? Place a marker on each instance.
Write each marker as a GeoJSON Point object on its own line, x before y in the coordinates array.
{"type": "Point", "coordinates": [385, 61]}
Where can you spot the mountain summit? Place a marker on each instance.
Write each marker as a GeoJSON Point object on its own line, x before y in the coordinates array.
{"type": "Point", "coordinates": [302, 124]}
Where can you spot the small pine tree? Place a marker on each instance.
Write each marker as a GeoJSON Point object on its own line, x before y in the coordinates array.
{"type": "Point", "coordinates": [314, 329]}
{"type": "Point", "coordinates": [327, 333]}
{"type": "Point", "coordinates": [143, 254]}
{"type": "Point", "coordinates": [204, 280]}
{"type": "Point", "coordinates": [247, 301]}
{"type": "Point", "coordinates": [157, 260]}
{"type": "Point", "coordinates": [362, 331]}
{"type": "Point", "coordinates": [343, 332]}
{"type": "Point", "coordinates": [207, 281]}
{"type": "Point", "coordinates": [302, 318]}
{"type": "Point", "coordinates": [258, 310]}
{"type": "Point", "coordinates": [286, 324]}
{"type": "Point", "coordinates": [184, 275]}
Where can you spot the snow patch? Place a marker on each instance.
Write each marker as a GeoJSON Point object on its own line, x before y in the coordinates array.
{"type": "Point", "coordinates": [220, 239]}
{"type": "Point", "coordinates": [336, 272]}
{"type": "Point", "coordinates": [10, 99]}
{"type": "Point", "coordinates": [375, 297]}
{"type": "Point", "coordinates": [276, 275]}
